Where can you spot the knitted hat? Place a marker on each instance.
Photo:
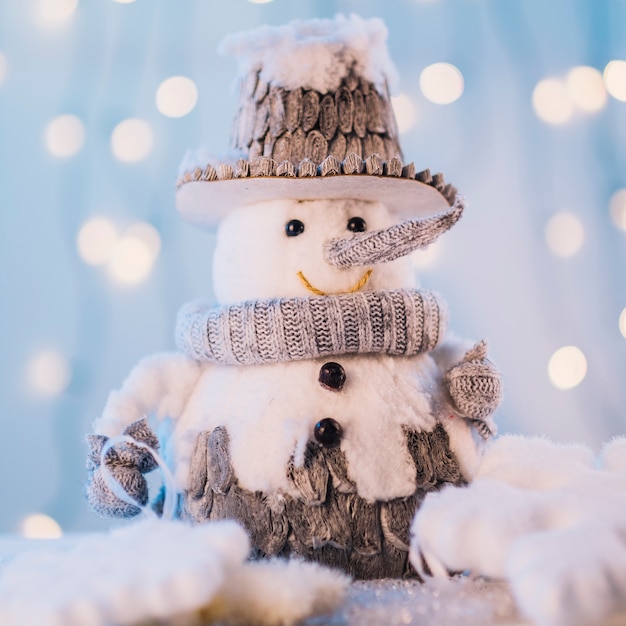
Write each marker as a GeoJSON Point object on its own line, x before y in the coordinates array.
{"type": "Point", "coordinates": [314, 121]}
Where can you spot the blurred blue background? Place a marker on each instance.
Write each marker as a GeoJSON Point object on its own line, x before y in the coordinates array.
{"type": "Point", "coordinates": [537, 145]}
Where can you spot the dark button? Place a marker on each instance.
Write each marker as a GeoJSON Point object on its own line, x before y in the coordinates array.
{"type": "Point", "coordinates": [328, 432]}
{"type": "Point", "coordinates": [356, 225]}
{"type": "Point", "coordinates": [332, 376]}
{"type": "Point", "coordinates": [293, 228]}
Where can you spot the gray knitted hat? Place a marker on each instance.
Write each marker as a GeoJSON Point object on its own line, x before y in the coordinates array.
{"type": "Point", "coordinates": [314, 121]}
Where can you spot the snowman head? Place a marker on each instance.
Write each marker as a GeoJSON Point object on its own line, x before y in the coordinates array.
{"type": "Point", "coordinates": [314, 141]}
{"type": "Point", "coordinates": [289, 247]}
{"type": "Point", "coordinates": [276, 248]}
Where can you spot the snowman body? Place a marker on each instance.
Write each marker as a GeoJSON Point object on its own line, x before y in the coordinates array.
{"type": "Point", "coordinates": [270, 413]}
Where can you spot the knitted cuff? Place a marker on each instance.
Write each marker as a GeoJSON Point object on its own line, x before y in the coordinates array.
{"type": "Point", "coordinates": [397, 322]}
{"type": "Point", "coordinates": [475, 385]}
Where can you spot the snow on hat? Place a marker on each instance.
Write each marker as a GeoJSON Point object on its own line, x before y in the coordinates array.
{"type": "Point", "coordinates": [314, 121]}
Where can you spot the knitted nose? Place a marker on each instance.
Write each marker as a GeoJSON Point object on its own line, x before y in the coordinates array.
{"type": "Point", "coordinates": [388, 244]}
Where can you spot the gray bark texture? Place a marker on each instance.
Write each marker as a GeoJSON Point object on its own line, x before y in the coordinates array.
{"type": "Point", "coordinates": [328, 522]}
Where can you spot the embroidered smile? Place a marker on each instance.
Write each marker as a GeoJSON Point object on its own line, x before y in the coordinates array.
{"type": "Point", "coordinates": [318, 292]}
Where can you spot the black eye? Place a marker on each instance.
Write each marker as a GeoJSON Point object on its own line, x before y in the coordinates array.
{"type": "Point", "coordinates": [332, 376]}
{"type": "Point", "coordinates": [328, 432]}
{"type": "Point", "coordinates": [356, 225]}
{"type": "Point", "coordinates": [294, 228]}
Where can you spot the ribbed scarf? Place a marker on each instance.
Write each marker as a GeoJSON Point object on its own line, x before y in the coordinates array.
{"type": "Point", "coordinates": [395, 322]}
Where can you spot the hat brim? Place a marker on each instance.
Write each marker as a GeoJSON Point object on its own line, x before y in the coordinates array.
{"type": "Point", "coordinates": [206, 202]}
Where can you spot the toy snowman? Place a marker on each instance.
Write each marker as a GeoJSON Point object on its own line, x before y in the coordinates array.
{"type": "Point", "coordinates": [321, 399]}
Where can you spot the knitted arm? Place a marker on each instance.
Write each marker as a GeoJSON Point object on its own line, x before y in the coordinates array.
{"type": "Point", "coordinates": [158, 385]}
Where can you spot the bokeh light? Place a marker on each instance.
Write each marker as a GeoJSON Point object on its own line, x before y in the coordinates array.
{"type": "Point", "coordinates": [622, 323]}
{"type": "Point", "coordinates": [176, 96]}
{"type": "Point", "coordinates": [585, 88]}
{"type": "Point", "coordinates": [131, 140]}
{"type": "Point", "coordinates": [148, 234]}
{"type": "Point", "coordinates": [404, 111]}
{"type": "Point", "coordinates": [131, 261]}
{"type": "Point", "coordinates": [96, 239]}
{"type": "Point", "coordinates": [551, 101]}
{"type": "Point", "coordinates": [260, 1]}
{"type": "Point", "coordinates": [49, 373]}
{"type": "Point", "coordinates": [124, 1]}
{"type": "Point", "coordinates": [617, 208]}
{"type": "Point", "coordinates": [56, 10]}
{"type": "Point", "coordinates": [615, 79]}
{"type": "Point", "coordinates": [65, 136]}
{"type": "Point", "coordinates": [441, 83]}
{"type": "Point", "coordinates": [567, 367]}
{"type": "Point", "coordinates": [428, 257]}
{"type": "Point", "coordinates": [564, 234]}
{"type": "Point", "coordinates": [3, 67]}
{"type": "Point", "coordinates": [40, 526]}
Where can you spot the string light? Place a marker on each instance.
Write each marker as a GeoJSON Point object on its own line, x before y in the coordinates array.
{"type": "Point", "coordinates": [551, 101]}
{"type": "Point", "coordinates": [131, 140]}
{"type": "Point", "coordinates": [96, 240]}
{"type": "Point", "coordinates": [564, 234]}
{"type": "Point", "coordinates": [615, 79]}
{"type": "Point", "coordinates": [56, 10]}
{"type": "Point", "coordinates": [40, 526]}
{"type": "Point", "coordinates": [567, 367]}
{"type": "Point", "coordinates": [441, 83]}
{"type": "Point", "coordinates": [617, 208]}
{"type": "Point", "coordinates": [585, 88]}
{"type": "Point", "coordinates": [176, 96]}
{"type": "Point", "coordinates": [65, 136]}
{"type": "Point", "coordinates": [404, 112]}
{"type": "Point", "coordinates": [49, 373]}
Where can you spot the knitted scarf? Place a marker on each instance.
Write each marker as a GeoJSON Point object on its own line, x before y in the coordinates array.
{"type": "Point", "coordinates": [397, 322]}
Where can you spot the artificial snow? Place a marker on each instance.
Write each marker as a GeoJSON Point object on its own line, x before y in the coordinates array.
{"type": "Point", "coordinates": [158, 570]}
{"type": "Point", "coordinates": [545, 518]}
{"type": "Point", "coordinates": [315, 54]}
{"type": "Point", "coordinates": [149, 570]}
{"type": "Point", "coordinates": [280, 592]}
{"type": "Point", "coordinates": [459, 601]}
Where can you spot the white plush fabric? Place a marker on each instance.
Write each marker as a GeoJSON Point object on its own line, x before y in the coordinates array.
{"type": "Point", "coordinates": [158, 386]}
{"type": "Point", "coordinates": [542, 516]}
{"type": "Point", "coordinates": [157, 570]}
{"type": "Point", "coordinates": [254, 259]}
{"type": "Point", "coordinates": [271, 410]}
{"type": "Point", "coordinates": [315, 54]}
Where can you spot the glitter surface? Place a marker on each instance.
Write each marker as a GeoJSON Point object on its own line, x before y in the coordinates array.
{"type": "Point", "coordinates": [460, 601]}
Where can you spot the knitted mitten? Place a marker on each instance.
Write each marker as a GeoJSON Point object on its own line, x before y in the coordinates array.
{"type": "Point", "coordinates": [127, 463]}
{"type": "Point", "coordinates": [475, 388]}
